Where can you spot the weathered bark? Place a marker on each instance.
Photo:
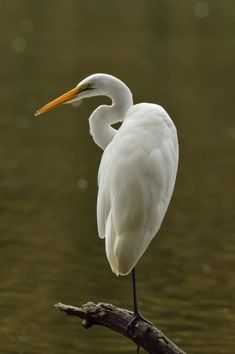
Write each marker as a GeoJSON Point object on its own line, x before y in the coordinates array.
{"type": "Point", "coordinates": [144, 335]}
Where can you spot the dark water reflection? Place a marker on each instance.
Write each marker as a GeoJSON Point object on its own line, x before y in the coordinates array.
{"type": "Point", "coordinates": [178, 54]}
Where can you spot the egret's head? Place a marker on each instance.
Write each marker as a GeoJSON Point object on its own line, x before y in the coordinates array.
{"type": "Point", "coordinates": [93, 85]}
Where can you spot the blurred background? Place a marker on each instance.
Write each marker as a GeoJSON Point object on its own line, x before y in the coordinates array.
{"type": "Point", "coordinates": [179, 54]}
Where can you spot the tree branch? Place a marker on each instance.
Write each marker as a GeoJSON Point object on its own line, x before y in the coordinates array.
{"type": "Point", "coordinates": [144, 335]}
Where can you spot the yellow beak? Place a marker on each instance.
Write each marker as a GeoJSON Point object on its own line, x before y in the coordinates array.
{"type": "Point", "coordinates": [68, 96]}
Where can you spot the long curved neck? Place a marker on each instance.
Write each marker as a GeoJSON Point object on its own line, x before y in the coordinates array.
{"type": "Point", "coordinates": [104, 116]}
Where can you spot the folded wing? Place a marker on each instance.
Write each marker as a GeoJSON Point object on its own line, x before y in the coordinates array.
{"type": "Point", "coordinates": [136, 180]}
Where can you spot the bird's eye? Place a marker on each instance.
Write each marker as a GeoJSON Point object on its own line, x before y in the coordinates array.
{"type": "Point", "coordinates": [88, 86]}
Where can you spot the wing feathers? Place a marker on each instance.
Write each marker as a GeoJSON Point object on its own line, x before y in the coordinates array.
{"type": "Point", "coordinates": [136, 180]}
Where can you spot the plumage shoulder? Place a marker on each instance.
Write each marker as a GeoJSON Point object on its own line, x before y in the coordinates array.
{"type": "Point", "coordinates": [150, 112]}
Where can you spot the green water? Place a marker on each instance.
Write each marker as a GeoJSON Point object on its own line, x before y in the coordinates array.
{"type": "Point", "coordinates": [176, 53]}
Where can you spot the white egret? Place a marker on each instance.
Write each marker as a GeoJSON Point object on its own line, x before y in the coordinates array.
{"type": "Point", "coordinates": [137, 171]}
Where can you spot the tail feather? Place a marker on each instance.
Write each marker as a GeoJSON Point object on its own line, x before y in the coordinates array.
{"type": "Point", "coordinates": [123, 251]}
{"type": "Point", "coordinates": [109, 244]}
{"type": "Point", "coordinates": [128, 249]}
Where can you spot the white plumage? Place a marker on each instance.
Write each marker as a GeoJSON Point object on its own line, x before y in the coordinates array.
{"type": "Point", "coordinates": [137, 170]}
{"type": "Point", "coordinates": [136, 180]}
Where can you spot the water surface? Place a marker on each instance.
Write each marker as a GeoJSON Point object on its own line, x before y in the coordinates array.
{"type": "Point", "coordinates": [178, 54]}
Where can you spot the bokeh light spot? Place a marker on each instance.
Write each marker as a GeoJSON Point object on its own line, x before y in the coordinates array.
{"type": "Point", "coordinates": [19, 44]}
{"type": "Point", "coordinates": [201, 9]}
{"type": "Point", "coordinates": [82, 183]}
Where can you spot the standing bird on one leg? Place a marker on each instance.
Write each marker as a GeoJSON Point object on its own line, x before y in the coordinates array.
{"type": "Point", "coordinates": [137, 171]}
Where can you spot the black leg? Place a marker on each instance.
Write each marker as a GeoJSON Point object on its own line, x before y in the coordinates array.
{"type": "Point", "coordinates": [136, 310]}
{"type": "Point", "coordinates": [137, 315]}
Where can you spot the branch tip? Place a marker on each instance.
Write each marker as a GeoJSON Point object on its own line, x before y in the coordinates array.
{"type": "Point", "coordinates": [117, 319]}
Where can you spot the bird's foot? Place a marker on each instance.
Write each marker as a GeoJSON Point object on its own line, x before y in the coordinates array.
{"type": "Point", "coordinates": [137, 317]}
